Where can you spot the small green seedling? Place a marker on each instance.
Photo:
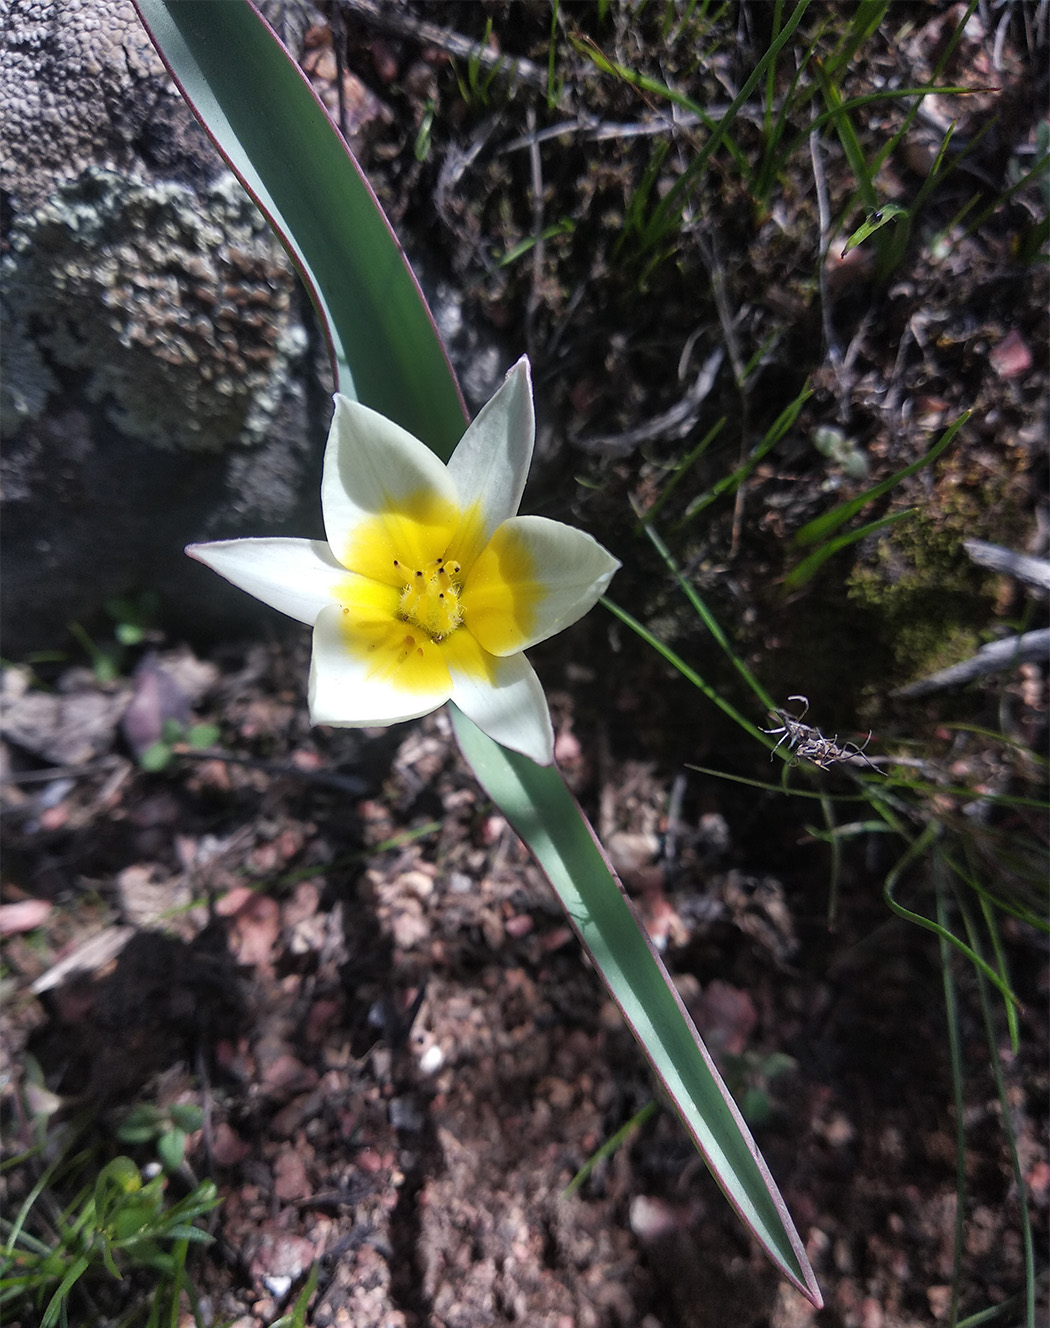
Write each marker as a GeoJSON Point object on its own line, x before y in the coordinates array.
{"type": "Point", "coordinates": [178, 737]}
{"type": "Point", "coordinates": [169, 1127]}
{"type": "Point", "coordinates": [134, 624]}
{"type": "Point", "coordinates": [872, 223]}
{"type": "Point", "coordinates": [115, 1224]}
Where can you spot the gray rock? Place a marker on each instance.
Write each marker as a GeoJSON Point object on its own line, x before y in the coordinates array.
{"type": "Point", "coordinates": [159, 385]}
{"type": "Point", "coordinates": [80, 85]}
{"type": "Point", "coordinates": [174, 302]}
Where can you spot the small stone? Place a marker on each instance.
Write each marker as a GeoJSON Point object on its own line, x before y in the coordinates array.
{"type": "Point", "coordinates": [1012, 357]}
{"type": "Point", "coordinates": [431, 1060]}
{"type": "Point", "coordinates": [405, 1114]}
{"type": "Point", "coordinates": [290, 1179]}
{"type": "Point", "coordinates": [651, 1218]}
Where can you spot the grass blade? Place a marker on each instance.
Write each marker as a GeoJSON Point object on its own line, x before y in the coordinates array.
{"type": "Point", "coordinates": [811, 564]}
{"type": "Point", "coordinates": [914, 851]}
{"type": "Point", "coordinates": [672, 205]}
{"type": "Point", "coordinates": [1007, 1116]}
{"type": "Point", "coordinates": [951, 1010]}
{"type": "Point", "coordinates": [730, 483]}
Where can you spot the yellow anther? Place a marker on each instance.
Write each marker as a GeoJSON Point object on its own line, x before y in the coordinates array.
{"type": "Point", "coordinates": [430, 598]}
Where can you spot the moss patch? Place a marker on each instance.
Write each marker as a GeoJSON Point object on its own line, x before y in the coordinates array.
{"type": "Point", "coordinates": [935, 604]}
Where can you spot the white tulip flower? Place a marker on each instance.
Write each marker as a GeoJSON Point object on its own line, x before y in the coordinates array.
{"type": "Point", "coordinates": [429, 587]}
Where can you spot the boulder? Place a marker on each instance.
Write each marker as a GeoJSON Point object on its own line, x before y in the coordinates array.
{"type": "Point", "coordinates": [163, 378]}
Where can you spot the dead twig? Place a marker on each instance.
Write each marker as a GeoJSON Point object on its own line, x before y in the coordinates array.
{"type": "Point", "coordinates": [592, 130]}
{"type": "Point", "coordinates": [1032, 647]}
{"type": "Point", "coordinates": [351, 784]}
{"type": "Point", "coordinates": [1033, 571]}
{"type": "Point", "coordinates": [673, 423]}
{"type": "Point", "coordinates": [707, 243]}
{"type": "Point", "coordinates": [398, 22]}
{"type": "Point", "coordinates": [820, 184]}
{"type": "Point", "coordinates": [88, 957]}
{"type": "Point", "coordinates": [538, 244]}
{"type": "Point", "coordinates": [808, 743]}
{"type": "Point", "coordinates": [457, 161]}
{"type": "Point", "coordinates": [100, 767]}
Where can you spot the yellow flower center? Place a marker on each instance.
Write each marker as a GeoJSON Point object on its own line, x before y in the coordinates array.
{"type": "Point", "coordinates": [430, 599]}
{"type": "Point", "coordinates": [422, 599]}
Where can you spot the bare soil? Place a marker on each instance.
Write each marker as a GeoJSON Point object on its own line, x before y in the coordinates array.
{"type": "Point", "coordinates": [334, 944]}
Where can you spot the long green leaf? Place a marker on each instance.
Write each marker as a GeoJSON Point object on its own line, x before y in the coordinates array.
{"type": "Point", "coordinates": [544, 813]}
{"type": "Point", "coordinates": [278, 139]}
{"type": "Point", "coordinates": [244, 87]}
{"type": "Point", "coordinates": [812, 563]}
{"type": "Point", "coordinates": [848, 138]}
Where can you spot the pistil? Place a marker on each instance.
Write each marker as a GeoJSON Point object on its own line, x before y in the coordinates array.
{"type": "Point", "coordinates": [430, 598]}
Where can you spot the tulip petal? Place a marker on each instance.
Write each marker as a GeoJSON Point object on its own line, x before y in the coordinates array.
{"type": "Point", "coordinates": [367, 668]}
{"type": "Point", "coordinates": [491, 462]}
{"type": "Point", "coordinates": [534, 578]}
{"type": "Point", "coordinates": [503, 697]}
{"type": "Point", "coordinates": [384, 495]}
{"type": "Point", "coordinates": [295, 576]}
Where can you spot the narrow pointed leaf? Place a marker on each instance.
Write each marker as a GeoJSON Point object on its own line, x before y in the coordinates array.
{"type": "Point", "coordinates": [544, 813]}
{"type": "Point", "coordinates": [873, 222]}
{"type": "Point", "coordinates": [256, 105]}
{"type": "Point", "coordinates": [813, 562]}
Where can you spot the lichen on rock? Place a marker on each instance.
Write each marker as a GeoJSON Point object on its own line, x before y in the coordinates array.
{"type": "Point", "coordinates": [79, 83]}
{"type": "Point", "coordinates": [176, 304]}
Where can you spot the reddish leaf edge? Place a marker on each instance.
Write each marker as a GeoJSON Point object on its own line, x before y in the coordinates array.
{"type": "Point", "coordinates": [807, 1287]}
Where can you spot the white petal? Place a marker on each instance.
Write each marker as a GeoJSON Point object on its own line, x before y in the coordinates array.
{"type": "Point", "coordinates": [296, 576]}
{"type": "Point", "coordinates": [354, 688]}
{"type": "Point", "coordinates": [374, 468]}
{"type": "Point", "coordinates": [491, 462]}
{"type": "Point", "coordinates": [510, 707]}
{"type": "Point", "coordinates": [535, 578]}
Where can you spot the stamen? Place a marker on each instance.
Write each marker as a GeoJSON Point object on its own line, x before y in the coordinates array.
{"type": "Point", "coordinates": [430, 597]}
